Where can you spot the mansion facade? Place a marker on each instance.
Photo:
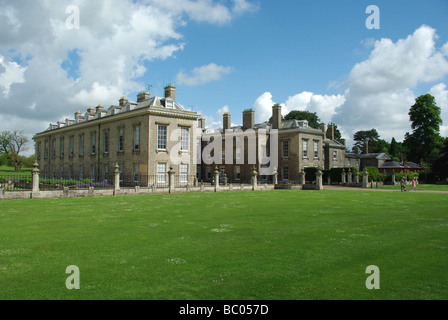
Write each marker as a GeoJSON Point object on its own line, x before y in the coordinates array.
{"type": "Point", "coordinates": [134, 135]}
{"type": "Point", "coordinates": [153, 135]}
{"type": "Point", "coordinates": [297, 147]}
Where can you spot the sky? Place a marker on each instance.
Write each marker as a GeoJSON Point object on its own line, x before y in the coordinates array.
{"type": "Point", "coordinates": [358, 68]}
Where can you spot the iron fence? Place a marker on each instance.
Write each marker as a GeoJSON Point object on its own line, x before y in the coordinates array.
{"type": "Point", "coordinates": [75, 184]}
{"type": "Point", "coordinates": [16, 183]}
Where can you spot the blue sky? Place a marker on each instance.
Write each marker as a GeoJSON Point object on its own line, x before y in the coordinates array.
{"type": "Point", "coordinates": [286, 47]}
{"type": "Point", "coordinates": [226, 56]}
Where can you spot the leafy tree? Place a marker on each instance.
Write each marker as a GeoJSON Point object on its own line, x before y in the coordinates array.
{"type": "Point", "coordinates": [396, 150]}
{"type": "Point", "coordinates": [11, 144]}
{"type": "Point", "coordinates": [375, 144]}
{"type": "Point", "coordinates": [425, 141]}
{"type": "Point", "coordinates": [440, 165]}
{"type": "Point", "coordinates": [311, 117]}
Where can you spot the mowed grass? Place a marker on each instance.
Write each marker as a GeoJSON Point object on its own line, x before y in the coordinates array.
{"type": "Point", "coordinates": [10, 171]}
{"type": "Point", "coordinates": [419, 187]}
{"type": "Point", "coordinates": [271, 245]}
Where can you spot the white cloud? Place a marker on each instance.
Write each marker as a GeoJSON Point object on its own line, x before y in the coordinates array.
{"type": "Point", "coordinates": [116, 40]}
{"type": "Point", "coordinates": [221, 111]}
{"type": "Point", "coordinates": [323, 105]}
{"type": "Point", "coordinates": [394, 66]}
{"type": "Point", "coordinates": [381, 88]}
{"type": "Point", "coordinates": [202, 75]}
{"type": "Point", "coordinates": [440, 93]}
{"type": "Point", "coordinates": [10, 73]}
{"type": "Point", "coordinates": [263, 107]}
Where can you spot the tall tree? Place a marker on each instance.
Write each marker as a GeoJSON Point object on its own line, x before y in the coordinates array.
{"type": "Point", "coordinates": [425, 141]}
{"type": "Point", "coordinates": [11, 144]}
{"type": "Point", "coordinates": [440, 165]}
{"type": "Point", "coordinates": [396, 149]}
{"type": "Point", "coordinates": [370, 139]}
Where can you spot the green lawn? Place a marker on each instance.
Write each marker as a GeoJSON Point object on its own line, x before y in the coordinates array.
{"type": "Point", "coordinates": [422, 187]}
{"type": "Point", "coordinates": [9, 171]}
{"type": "Point", "coordinates": [281, 244]}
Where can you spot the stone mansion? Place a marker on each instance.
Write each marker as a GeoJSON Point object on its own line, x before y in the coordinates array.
{"type": "Point", "coordinates": [148, 137]}
{"type": "Point", "coordinates": [134, 135]}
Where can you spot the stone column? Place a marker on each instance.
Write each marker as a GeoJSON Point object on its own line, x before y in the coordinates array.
{"type": "Point", "coordinates": [225, 179]}
{"type": "Point", "coordinates": [171, 179]}
{"type": "Point", "coordinates": [302, 177]}
{"type": "Point", "coordinates": [349, 176]}
{"type": "Point", "coordinates": [254, 174]}
{"type": "Point", "coordinates": [117, 178]}
{"type": "Point", "coordinates": [356, 173]}
{"type": "Point", "coordinates": [216, 174]}
{"type": "Point", "coordinates": [365, 179]}
{"type": "Point", "coordinates": [319, 185]}
{"type": "Point", "coordinates": [393, 177]}
{"type": "Point", "coordinates": [343, 180]}
{"type": "Point", "coordinates": [35, 177]}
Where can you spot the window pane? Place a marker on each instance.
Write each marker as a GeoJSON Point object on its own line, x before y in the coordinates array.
{"type": "Point", "coordinates": [285, 149]}
{"type": "Point", "coordinates": [137, 138]}
{"type": "Point", "coordinates": [184, 139]}
{"type": "Point", "coordinates": [106, 142]}
{"type": "Point", "coordinates": [184, 173]}
{"type": "Point", "coordinates": [120, 139]}
{"type": "Point", "coordinates": [161, 138]}
{"type": "Point", "coordinates": [161, 172]}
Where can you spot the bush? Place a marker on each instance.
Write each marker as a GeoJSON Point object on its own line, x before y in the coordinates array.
{"type": "Point", "coordinates": [336, 173]}
{"type": "Point", "coordinates": [310, 174]}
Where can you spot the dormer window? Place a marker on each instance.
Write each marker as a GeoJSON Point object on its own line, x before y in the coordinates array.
{"type": "Point", "coordinates": [169, 104]}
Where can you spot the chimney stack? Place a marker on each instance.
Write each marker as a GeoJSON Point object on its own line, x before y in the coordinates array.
{"type": "Point", "coordinates": [330, 131]}
{"type": "Point", "coordinates": [170, 91]}
{"type": "Point", "coordinates": [142, 96]}
{"type": "Point", "coordinates": [201, 123]}
{"type": "Point", "coordinates": [226, 121]}
{"type": "Point", "coordinates": [277, 116]}
{"type": "Point", "coordinates": [123, 101]}
{"type": "Point", "coordinates": [99, 108]}
{"type": "Point", "coordinates": [248, 119]}
{"type": "Point", "coordinates": [323, 127]}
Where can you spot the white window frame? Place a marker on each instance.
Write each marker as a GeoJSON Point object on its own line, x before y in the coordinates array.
{"type": "Point", "coordinates": [162, 133]}
{"type": "Point", "coordinates": [305, 148]}
{"type": "Point", "coordinates": [161, 172]}
{"type": "Point", "coordinates": [183, 169]}
{"type": "Point", "coordinates": [184, 139]}
{"type": "Point", "coordinates": [137, 138]}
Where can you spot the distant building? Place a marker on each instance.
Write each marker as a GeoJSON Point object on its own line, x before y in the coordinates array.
{"type": "Point", "coordinates": [299, 146]}
{"type": "Point", "coordinates": [390, 166]}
